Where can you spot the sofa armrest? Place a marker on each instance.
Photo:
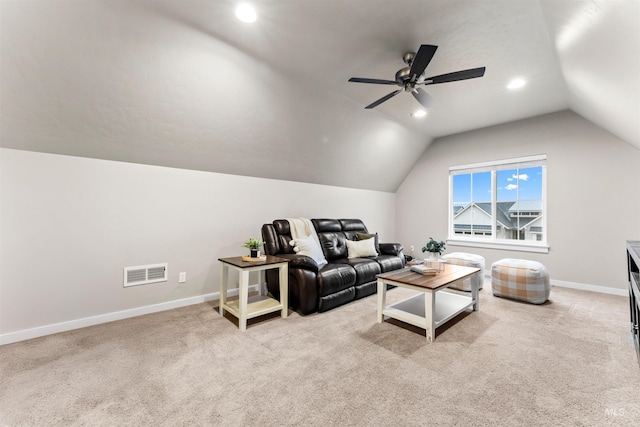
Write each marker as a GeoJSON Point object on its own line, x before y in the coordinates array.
{"type": "Point", "coordinates": [300, 261]}
{"type": "Point", "coordinates": [391, 249]}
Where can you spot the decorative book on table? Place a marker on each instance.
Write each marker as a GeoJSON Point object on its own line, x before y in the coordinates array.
{"type": "Point", "coordinates": [424, 270]}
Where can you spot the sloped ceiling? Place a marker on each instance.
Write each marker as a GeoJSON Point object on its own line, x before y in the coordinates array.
{"type": "Point", "coordinates": [185, 84]}
{"type": "Point", "coordinates": [598, 47]}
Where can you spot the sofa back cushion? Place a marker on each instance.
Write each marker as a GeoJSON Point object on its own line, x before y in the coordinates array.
{"type": "Point", "coordinates": [331, 238]}
{"type": "Point", "coordinates": [283, 230]}
{"type": "Point", "coordinates": [351, 227]}
{"type": "Point", "coordinates": [277, 237]}
{"type": "Point", "coordinates": [333, 234]}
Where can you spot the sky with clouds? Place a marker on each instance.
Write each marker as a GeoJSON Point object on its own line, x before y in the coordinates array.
{"type": "Point", "coordinates": [512, 185]}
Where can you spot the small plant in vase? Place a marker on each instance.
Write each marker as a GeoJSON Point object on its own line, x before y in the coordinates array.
{"type": "Point", "coordinates": [434, 248]}
{"type": "Point", "coordinates": [254, 246]}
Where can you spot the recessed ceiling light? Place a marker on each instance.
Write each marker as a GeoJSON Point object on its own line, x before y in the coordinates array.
{"type": "Point", "coordinates": [246, 13]}
{"type": "Point", "coordinates": [419, 113]}
{"type": "Point", "coordinates": [516, 84]}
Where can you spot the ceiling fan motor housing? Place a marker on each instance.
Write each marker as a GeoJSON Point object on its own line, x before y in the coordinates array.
{"type": "Point", "coordinates": [403, 75]}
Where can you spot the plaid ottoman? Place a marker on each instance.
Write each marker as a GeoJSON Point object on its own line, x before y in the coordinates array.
{"type": "Point", "coordinates": [469, 260]}
{"type": "Point", "coordinates": [520, 279]}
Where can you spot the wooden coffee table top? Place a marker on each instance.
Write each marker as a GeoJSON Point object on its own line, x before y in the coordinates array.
{"type": "Point", "coordinates": [442, 279]}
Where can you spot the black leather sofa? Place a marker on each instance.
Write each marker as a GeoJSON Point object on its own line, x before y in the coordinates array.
{"type": "Point", "coordinates": [314, 288]}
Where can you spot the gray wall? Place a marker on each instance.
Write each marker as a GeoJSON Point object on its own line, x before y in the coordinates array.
{"type": "Point", "coordinates": [593, 199]}
{"type": "Point", "coordinates": [69, 225]}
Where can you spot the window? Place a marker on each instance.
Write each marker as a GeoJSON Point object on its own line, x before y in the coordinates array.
{"type": "Point", "coordinates": [499, 204]}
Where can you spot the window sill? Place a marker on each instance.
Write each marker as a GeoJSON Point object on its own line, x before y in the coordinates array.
{"type": "Point", "coordinates": [522, 247]}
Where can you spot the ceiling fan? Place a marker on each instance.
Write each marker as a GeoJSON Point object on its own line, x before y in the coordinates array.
{"type": "Point", "coordinates": [411, 76]}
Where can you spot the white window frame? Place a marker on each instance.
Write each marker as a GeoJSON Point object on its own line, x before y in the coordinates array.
{"type": "Point", "coordinates": [540, 246]}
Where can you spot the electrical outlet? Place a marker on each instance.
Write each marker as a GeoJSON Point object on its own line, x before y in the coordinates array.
{"type": "Point", "coordinates": [412, 248]}
{"type": "Point", "coordinates": [182, 278]}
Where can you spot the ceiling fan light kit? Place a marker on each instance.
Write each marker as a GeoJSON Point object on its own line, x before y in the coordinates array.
{"type": "Point", "coordinates": [411, 75]}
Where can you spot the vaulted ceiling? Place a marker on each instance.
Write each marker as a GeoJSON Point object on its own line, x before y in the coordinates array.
{"type": "Point", "coordinates": [185, 84]}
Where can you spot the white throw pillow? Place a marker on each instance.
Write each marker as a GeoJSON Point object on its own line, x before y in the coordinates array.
{"type": "Point", "coordinates": [309, 247]}
{"type": "Point", "coordinates": [361, 248]}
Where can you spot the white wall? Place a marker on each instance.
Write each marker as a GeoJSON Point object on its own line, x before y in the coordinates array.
{"type": "Point", "coordinates": [69, 225]}
{"type": "Point", "coordinates": [593, 199]}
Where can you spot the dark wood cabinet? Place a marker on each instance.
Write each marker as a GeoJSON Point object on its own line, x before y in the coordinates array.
{"type": "Point", "coordinates": [633, 264]}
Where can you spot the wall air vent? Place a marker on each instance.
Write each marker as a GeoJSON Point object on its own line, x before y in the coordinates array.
{"type": "Point", "coordinates": [145, 274]}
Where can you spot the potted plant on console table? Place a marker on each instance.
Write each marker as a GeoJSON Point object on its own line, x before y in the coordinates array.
{"type": "Point", "coordinates": [254, 246]}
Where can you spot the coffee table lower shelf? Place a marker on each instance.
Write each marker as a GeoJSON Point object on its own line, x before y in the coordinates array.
{"type": "Point", "coordinates": [412, 310]}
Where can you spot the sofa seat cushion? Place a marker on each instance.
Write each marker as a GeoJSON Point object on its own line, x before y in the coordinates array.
{"type": "Point", "coordinates": [389, 262]}
{"type": "Point", "coordinates": [366, 269]}
{"type": "Point", "coordinates": [335, 277]}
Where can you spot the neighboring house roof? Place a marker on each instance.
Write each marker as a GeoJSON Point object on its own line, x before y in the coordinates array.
{"type": "Point", "coordinates": [525, 224]}
{"type": "Point", "coordinates": [526, 205]}
{"type": "Point", "coordinates": [503, 215]}
{"type": "Point", "coordinates": [458, 208]}
{"type": "Point", "coordinates": [503, 208]}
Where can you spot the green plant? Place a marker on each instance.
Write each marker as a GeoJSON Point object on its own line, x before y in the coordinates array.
{"type": "Point", "coordinates": [253, 243]}
{"type": "Point", "coordinates": [434, 246]}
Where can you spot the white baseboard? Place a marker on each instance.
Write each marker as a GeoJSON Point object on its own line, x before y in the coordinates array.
{"type": "Point", "coordinates": [70, 325]}
{"type": "Point", "coordinates": [590, 288]}
{"type": "Point", "coordinates": [579, 286]}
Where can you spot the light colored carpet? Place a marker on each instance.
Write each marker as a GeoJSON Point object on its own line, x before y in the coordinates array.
{"type": "Point", "coordinates": [569, 362]}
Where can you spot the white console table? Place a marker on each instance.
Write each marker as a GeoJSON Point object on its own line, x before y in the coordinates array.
{"type": "Point", "coordinates": [243, 308]}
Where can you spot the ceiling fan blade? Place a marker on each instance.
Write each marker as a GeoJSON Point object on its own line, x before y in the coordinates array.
{"type": "Point", "coordinates": [384, 98]}
{"type": "Point", "coordinates": [374, 81]}
{"type": "Point", "coordinates": [422, 97]}
{"type": "Point", "coordinates": [455, 76]}
{"type": "Point", "coordinates": [421, 60]}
